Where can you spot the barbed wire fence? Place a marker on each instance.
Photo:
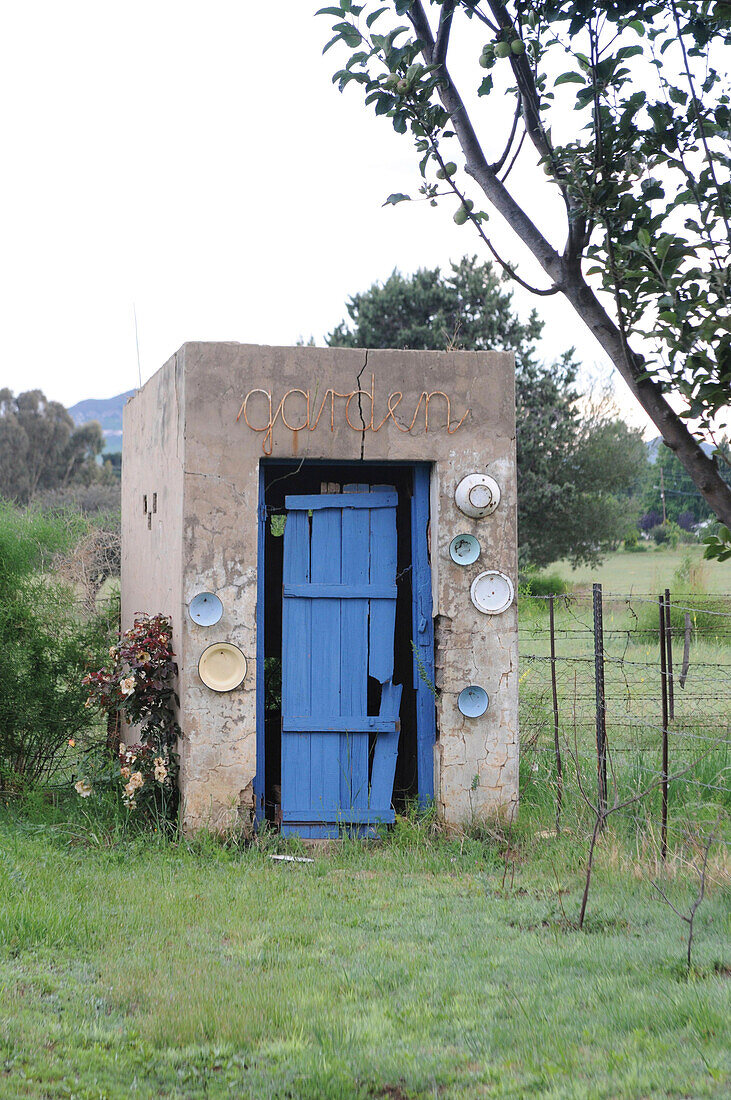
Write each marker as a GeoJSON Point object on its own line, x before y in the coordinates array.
{"type": "Point", "coordinates": [624, 694]}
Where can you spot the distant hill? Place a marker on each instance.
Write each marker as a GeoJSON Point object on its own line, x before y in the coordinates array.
{"type": "Point", "coordinates": [108, 412]}
{"type": "Point", "coordinates": [653, 447]}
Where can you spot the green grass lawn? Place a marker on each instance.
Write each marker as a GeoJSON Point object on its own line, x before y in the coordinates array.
{"type": "Point", "coordinates": [651, 571]}
{"type": "Point", "coordinates": [418, 967]}
{"type": "Point", "coordinates": [422, 966]}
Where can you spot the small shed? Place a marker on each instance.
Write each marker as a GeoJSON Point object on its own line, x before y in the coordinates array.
{"type": "Point", "coordinates": [333, 535]}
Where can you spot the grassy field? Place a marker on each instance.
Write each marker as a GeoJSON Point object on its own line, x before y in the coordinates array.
{"type": "Point", "coordinates": [425, 965]}
{"type": "Point", "coordinates": [651, 571]}
{"type": "Point", "coordinates": [421, 967]}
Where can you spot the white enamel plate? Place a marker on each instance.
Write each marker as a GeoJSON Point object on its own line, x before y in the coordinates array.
{"type": "Point", "coordinates": [464, 549]}
{"type": "Point", "coordinates": [205, 609]}
{"type": "Point", "coordinates": [222, 666]}
{"type": "Point", "coordinates": [492, 592]}
{"type": "Point", "coordinates": [473, 701]}
{"type": "Point", "coordinates": [477, 495]}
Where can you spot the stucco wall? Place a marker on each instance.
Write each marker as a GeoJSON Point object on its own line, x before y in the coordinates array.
{"type": "Point", "coordinates": [217, 496]}
{"type": "Point", "coordinates": [152, 464]}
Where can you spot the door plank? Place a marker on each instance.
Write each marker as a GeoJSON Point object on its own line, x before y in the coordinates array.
{"type": "Point", "coordinates": [325, 661]}
{"type": "Point", "coordinates": [383, 571]}
{"type": "Point", "coordinates": [354, 655]}
{"type": "Point", "coordinates": [366, 816]}
{"type": "Point", "coordinates": [296, 655]}
{"type": "Point", "coordinates": [422, 625]}
{"type": "Point", "coordinates": [387, 498]}
{"type": "Point", "coordinates": [346, 723]}
{"type": "Point", "coordinates": [386, 751]}
{"type": "Point", "coordinates": [342, 591]}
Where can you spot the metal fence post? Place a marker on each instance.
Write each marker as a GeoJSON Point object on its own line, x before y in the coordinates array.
{"type": "Point", "coordinates": [556, 742]}
{"type": "Point", "coordinates": [669, 653]}
{"type": "Point", "coordinates": [601, 728]}
{"type": "Point", "coordinates": [664, 683]}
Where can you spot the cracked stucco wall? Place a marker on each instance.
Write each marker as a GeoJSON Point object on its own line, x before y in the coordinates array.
{"type": "Point", "coordinates": [152, 500]}
{"type": "Point", "coordinates": [210, 464]}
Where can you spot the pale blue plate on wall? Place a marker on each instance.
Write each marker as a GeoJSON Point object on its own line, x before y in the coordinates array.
{"type": "Point", "coordinates": [473, 701]}
{"type": "Point", "coordinates": [205, 609]}
{"type": "Point", "coordinates": [464, 549]}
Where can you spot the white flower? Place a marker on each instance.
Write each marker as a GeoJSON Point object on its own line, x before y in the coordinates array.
{"type": "Point", "coordinates": [127, 685]}
{"type": "Point", "coordinates": [136, 780]}
{"type": "Point", "coordinates": [83, 787]}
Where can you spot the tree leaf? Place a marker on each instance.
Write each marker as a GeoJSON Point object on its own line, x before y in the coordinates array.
{"type": "Point", "coordinates": [375, 15]}
{"type": "Point", "coordinates": [628, 51]}
{"type": "Point", "coordinates": [569, 78]}
{"type": "Point", "coordinates": [398, 196]}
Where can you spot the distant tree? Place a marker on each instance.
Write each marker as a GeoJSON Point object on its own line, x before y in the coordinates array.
{"type": "Point", "coordinates": [40, 448]}
{"type": "Point", "coordinates": [573, 473]}
{"type": "Point", "coordinates": [666, 475]}
{"type": "Point", "coordinates": [467, 308]}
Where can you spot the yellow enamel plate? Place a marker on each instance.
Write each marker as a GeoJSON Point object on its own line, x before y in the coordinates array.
{"type": "Point", "coordinates": [222, 666]}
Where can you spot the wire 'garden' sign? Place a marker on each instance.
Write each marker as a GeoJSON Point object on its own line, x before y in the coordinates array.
{"type": "Point", "coordinates": [305, 415]}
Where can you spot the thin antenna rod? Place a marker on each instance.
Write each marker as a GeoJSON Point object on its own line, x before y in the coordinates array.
{"type": "Point", "coordinates": [137, 344]}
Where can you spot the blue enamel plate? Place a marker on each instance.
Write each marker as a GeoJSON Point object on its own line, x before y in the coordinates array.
{"type": "Point", "coordinates": [205, 609]}
{"type": "Point", "coordinates": [473, 701]}
{"type": "Point", "coordinates": [464, 549]}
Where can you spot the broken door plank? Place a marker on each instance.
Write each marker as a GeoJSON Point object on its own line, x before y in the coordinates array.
{"type": "Point", "coordinates": [385, 753]}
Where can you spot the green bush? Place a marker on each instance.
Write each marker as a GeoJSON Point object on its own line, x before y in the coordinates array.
{"type": "Point", "coordinates": [531, 583]}
{"type": "Point", "coordinates": [666, 534]}
{"type": "Point", "coordinates": [46, 646]}
{"type": "Point", "coordinates": [533, 587]}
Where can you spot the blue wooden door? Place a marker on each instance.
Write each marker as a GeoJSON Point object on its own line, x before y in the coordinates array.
{"type": "Point", "coordinates": [338, 624]}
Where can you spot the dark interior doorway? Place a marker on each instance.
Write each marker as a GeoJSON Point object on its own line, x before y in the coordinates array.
{"type": "Point", "coordinates": [281, 478]}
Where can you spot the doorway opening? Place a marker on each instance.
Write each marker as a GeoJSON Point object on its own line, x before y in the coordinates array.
{"type": "Point", "coordinates": [412, 664]}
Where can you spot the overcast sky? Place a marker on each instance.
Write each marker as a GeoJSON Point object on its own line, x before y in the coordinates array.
{"type": "Point", "coordinates": [194, 161]}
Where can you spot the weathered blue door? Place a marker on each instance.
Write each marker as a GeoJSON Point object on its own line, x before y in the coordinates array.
{"type": "Point", "coordinates": [338, 624]}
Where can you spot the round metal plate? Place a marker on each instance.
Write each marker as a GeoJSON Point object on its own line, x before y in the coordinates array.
{"type": "Point", "coordinates": [205, 609]}
{"type": "Point", "coordinates": [473, 701]}
{"type": "Point", "coordinates": [222, 666]}
{"type": "Point", "coordinates": [464, 549]}
{"type": "Point", "coordinates": [492, 592]}
{"type": "Point", "coordinates": [477, 495]}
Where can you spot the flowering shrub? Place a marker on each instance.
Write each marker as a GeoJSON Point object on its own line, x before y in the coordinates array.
{"type": "Point", "coordinates": [138, 682]}
{"type": "Point", "coordinates": [147, 778]}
